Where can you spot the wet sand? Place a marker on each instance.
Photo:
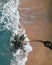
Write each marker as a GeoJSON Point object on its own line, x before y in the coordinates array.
{"type": "Point", "coordinates": [41, 30]}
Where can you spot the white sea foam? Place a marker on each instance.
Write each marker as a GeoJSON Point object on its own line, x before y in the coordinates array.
{"type": "Point", "coordinates": [10, 20]}
{"type": "Point", "coordinates": [10, 15]}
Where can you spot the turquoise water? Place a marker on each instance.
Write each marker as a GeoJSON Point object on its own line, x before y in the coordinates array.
{"type": "Point", "coordinates": [5, 55]}
{"type": "Point", "coordinates": [6, 24]}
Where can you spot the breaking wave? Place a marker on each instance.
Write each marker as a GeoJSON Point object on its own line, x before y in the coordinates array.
{"type": "Point", "coordinates": [9, 15]}
{"type": "Point", "coordinates": [9, 19]}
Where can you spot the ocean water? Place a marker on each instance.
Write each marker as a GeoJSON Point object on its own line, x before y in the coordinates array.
{"type": "Point", "coordinates": [9, 21]}
{"type": "Point", "coordinates": [6, 30]}
{"type": "Point", "coordinates": [5, 54]}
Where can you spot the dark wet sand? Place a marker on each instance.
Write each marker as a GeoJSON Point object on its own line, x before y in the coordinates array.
{"type": "Point", "coordinates": [40, 29]}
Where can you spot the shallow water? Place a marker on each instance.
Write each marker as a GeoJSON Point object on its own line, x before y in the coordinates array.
{"type": "Point", "coordinates": [5, 55]}
{"type": "Point", "coordinates": [9, 27]}
{"type": "Point", "coordinates": [5, 34]}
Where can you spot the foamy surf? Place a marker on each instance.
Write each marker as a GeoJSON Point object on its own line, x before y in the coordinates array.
{"type": "Point", "coordinates": [10, 21]}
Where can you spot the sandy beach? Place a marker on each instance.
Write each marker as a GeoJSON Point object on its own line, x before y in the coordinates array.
{"type": "Point", "coordinates": [39, 29]}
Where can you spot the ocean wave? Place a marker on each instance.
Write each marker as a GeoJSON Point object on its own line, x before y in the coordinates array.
{"type": "Point", "coordinates": [9, 20]}
{"type": "Point", "coordinates": [9, 15]}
